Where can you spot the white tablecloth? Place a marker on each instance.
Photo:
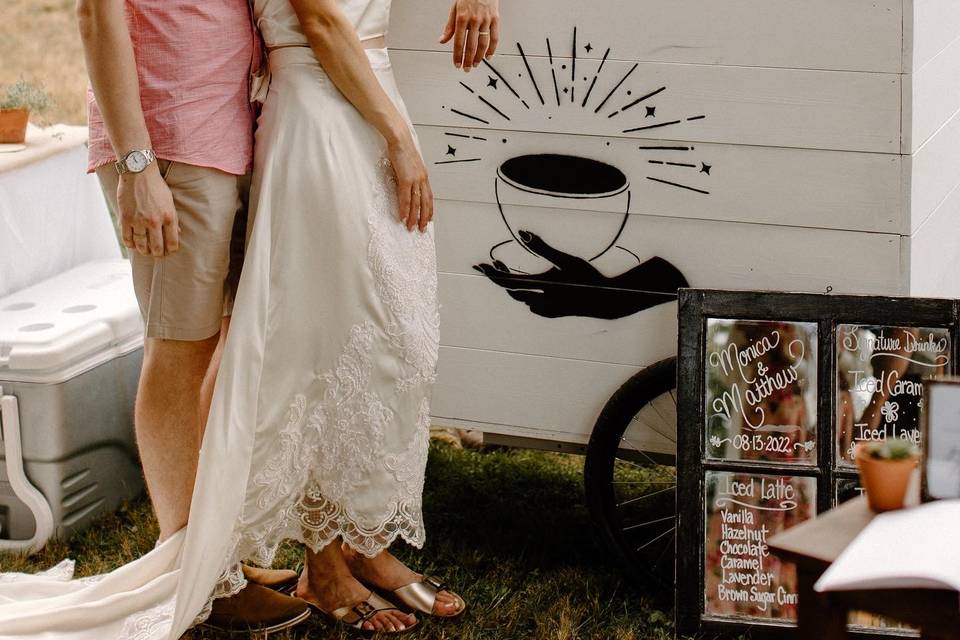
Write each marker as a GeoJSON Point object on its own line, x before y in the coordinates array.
{"type": "Point", "coordinates": [52, 214]}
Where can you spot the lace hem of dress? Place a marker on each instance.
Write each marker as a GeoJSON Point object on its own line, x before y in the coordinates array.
{"type": "Point", "coordinates": [318, 522]}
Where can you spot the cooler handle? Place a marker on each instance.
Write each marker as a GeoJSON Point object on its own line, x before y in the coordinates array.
{"type": "Point", "coordinates": [26, 492]}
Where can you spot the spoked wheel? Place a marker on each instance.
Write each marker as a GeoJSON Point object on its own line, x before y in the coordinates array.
{"type": "Point", "coordinates": [630, 476]}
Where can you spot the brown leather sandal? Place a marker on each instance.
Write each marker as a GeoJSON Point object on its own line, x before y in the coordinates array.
{"type": "Point", "coordinates": [281, 580]}
{"type": "Point", "coordinates": [421, 596]}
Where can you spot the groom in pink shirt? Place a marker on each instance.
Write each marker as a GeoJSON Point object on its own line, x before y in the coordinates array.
{"type": "Point", "coordinates": [171, 139]}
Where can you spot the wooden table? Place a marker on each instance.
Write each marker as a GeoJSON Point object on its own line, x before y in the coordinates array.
{"type": "Point", "coordinates": [814, 545]}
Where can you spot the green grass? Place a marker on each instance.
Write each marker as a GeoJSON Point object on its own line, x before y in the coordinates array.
{"type": "Point", "coordinates": [507, 528]}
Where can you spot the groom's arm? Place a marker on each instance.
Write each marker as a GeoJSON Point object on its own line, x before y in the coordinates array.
{"type": "Point", "coordinates": [113, 72]}
{"type": "Point", "coordinates": [147, 215]}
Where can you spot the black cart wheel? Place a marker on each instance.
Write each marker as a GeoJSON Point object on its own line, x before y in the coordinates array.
{"type": "Point", "coordinates": [630, 475]}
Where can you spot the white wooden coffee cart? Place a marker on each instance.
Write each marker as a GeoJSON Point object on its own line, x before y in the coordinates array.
{"type": "Point", "coordinates": [760, 144]}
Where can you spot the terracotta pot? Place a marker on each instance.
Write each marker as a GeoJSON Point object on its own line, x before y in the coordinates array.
{"type": "Point", "coordinates": [13, 125]}
{"type": "Point", "coordinates": [885, 481]}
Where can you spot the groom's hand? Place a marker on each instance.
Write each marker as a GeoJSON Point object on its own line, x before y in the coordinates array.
{"type": "Point", "coordinates": [474, 26]}
{"type": "Point", "coordinates": [148, 219]}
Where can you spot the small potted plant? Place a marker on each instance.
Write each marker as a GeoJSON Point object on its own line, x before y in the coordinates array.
{"type": "Point", "coordinates": [886, 467]}
{"type": "Point", "coordinates": [16, 103]}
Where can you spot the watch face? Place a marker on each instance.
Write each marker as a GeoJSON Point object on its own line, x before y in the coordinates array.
{"type": "Point", "coordinates": [136, 161]}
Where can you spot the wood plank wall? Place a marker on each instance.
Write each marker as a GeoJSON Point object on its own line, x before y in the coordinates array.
{"type": "Point", "coordinates": [801, 146]}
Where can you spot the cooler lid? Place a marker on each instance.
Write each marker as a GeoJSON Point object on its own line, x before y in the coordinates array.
{"type": "Point", "coordinates": [61, 327]}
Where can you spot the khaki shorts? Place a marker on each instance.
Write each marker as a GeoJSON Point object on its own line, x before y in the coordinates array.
{"type": "Point", "coordinates": [184, 296]}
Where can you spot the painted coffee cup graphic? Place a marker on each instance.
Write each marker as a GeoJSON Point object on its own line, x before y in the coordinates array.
{"type": "Point", "coordinates": [545, 181]}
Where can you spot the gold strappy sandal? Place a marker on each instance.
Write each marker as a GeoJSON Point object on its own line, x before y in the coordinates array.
{"type": "Point", "coordinates": [420, 596]}
{"type": "Point", "coordinates": [355, 615]}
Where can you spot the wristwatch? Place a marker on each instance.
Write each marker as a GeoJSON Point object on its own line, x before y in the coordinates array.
{"type": "Point", "coordinates": [135, 161]}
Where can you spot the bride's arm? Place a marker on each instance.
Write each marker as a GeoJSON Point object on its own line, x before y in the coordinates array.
{"type": "Point", "coordinates": [338, 49]}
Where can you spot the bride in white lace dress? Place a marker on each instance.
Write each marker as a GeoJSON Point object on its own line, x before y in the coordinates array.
{"type": "Point", "coordinates": [319, 426]}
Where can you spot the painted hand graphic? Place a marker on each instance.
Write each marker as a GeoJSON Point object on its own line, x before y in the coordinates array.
{"type": "Point", "coordinates": [574, 287]}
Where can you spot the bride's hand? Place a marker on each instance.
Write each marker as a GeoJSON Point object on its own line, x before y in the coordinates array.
{"type": "Point", "coordinates": [474, 26]}
{"type": "Point", "coordinates": [414, 195]}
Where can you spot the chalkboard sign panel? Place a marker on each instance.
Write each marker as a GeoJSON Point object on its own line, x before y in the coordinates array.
{"type": "Point", "coordinates": [774, 391]}
{"type": "Point", "coordinates": [761, 400]}
{"type": "Point", "coordinates": [880, 371]}
{"type": "Point", "coordinates": [847, 489]}
{"type": "Point", "coordinates": [743, 511]}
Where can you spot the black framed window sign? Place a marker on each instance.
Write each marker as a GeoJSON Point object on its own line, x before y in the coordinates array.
{"type": "Point", "coordinates": [775, 390]}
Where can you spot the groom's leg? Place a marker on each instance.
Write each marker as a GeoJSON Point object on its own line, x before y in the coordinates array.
{"type": "Point", "coordinates": [182, 297]}
{"type": "Point", "coordinates": [168, 424]}
{"type": "Point", "coordinates": [238, 242]}
{"type": "Point", "coordinates": [210, 376]}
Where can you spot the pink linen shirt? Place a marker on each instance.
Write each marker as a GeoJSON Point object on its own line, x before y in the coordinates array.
{"type": "Point", "coordinates": [193, 61]}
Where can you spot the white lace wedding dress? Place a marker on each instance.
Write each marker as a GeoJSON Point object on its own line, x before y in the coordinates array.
{"type": "Point", "coordinates": [320, 416]}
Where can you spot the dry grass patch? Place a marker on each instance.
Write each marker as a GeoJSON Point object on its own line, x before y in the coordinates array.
{"type": "Point", "coordinates": [40, 43]}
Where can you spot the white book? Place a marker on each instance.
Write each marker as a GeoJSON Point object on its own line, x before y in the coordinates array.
{"type": "Point", "coordinates": [916, 548]}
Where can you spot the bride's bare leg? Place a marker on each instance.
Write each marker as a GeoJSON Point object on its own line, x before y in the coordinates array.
{"type": "Point", "coordinates": [328, 583]}
{"type": "Point", "coordinates": [387, 572]}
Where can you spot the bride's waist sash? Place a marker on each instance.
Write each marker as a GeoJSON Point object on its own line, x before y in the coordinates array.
{"type": "Point", "coordinates": [303, 54]}
{"type": "Point", "coordinates": [291, 55]}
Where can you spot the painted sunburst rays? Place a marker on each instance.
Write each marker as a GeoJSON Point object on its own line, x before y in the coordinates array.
{"type": "Point", "coordinates": [501, 93]}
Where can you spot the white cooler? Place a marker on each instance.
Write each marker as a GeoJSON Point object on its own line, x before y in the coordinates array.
{"type": "Point", "coordinates": [70, 354]}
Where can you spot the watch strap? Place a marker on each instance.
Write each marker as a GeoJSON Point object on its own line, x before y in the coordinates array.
{"type": "Point", "coordinates": [121, 164]}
